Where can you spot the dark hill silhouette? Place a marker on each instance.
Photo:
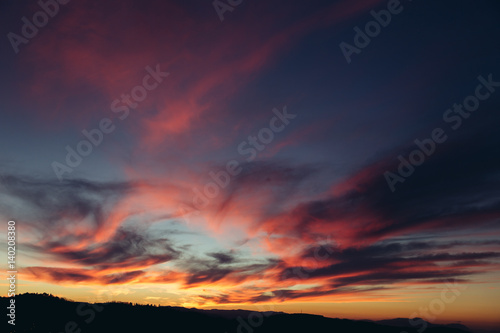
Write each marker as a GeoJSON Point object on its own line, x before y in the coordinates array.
{"type": "Point", "coordinates": [43, 313]}
{"type": "Point", "coordinates": [403, 322]}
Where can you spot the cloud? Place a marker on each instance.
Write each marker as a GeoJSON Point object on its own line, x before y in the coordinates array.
{"type": "Point", "coordinates": [126, 249]}
{"type": "Point", "coordinates": [260, 190]}
{"type": "Point", "coordinates": [70, 275]}
{"type": "Point", "coordinates": [458, 186]}
{"type": "Point", "coordinates": [223, 258]}
{"type": "Point", "coordinates": [59, 274]}
{"type": "Point", "coordinates": [201, 272]}
{"type": "Point", "coordinates": [349, 240]}
{"type": "Point", "coordinates": [50, 201]}
{"type": "Point", "coordinates": [350, 237]}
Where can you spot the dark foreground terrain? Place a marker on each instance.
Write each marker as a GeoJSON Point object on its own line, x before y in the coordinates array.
{"type": "Point", "coordinates": [42, 313]}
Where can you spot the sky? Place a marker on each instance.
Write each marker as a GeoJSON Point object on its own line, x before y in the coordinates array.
{"type": "Point", "coordinates": [332, 157]}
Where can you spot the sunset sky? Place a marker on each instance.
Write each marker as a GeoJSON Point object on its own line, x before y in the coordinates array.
{"type": "Point", "coordinates": [175, 153]}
